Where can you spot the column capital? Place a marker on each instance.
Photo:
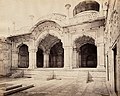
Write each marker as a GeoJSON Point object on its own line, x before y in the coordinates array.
{"type": "Point", "coordinates": [33, 50]}
{"type": "Point", "coordinates": [66, 30]}
{"type": "Point", "coordinates": [46, 52]}
{"type": "Point", "coordinates": [100, 44]}
{"type": "Point", "coordinates": [74, 49]}
{"type": "Point", "coordinates": [77, 50]}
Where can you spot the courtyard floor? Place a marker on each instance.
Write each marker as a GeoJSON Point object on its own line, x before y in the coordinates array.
{"type": "Point", "coordinates": [60, 88]}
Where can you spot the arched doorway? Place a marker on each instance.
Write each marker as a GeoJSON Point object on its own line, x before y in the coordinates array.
{"type": "Point", "coordinates": [23, 55]}
{"type": "Point", "coordinates": [56, 58]}
{"type": "Point", "coordinates": [40, 58]}
{"type": "Point", "coordinates": [88, 54]}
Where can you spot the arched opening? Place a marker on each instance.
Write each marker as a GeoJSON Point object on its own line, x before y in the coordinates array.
{"type": "Point", "coordinates": [53, 56]}
{"type": "Point", "coordinates": [23, 55]}
{"type": "Point", "coordinates": [40, 58]}
{"type": "Point", "coordinates": [115, 68]}
{"type": "Point", "coordinates": [86, 6]}
{"type": "Point", "coordinates": [56, 58]}
{"type": "Point", "coordinates": [88, 54]}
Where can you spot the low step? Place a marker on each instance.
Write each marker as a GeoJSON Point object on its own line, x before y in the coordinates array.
{"type": "Point", "coordinates": [5, 85]}
{"type": "Point", "coordinates": [82, 77]}
{"type": "Point", "coordinates": [17, 74]}
{"type": "Point", "coordinates": [17, 90]}
{"type": "Point", "coordinates": [13, 87]}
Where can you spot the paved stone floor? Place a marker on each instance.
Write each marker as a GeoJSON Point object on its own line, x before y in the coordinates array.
{"type": "Point", "coordinates": [61, 88]}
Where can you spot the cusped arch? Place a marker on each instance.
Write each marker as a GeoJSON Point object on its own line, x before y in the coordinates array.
{"type": "Point", "coordinates": [18, 45]}
{"type": "Point", "coordinates": [80, 41]}
{"type": "Point", "coordinates": [45, 34]}
{"type": "Point", "coordinates": [44, 27]}
{"type": "Point", "coordinates": [83, 35]}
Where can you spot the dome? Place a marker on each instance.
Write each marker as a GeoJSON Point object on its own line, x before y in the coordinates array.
{"type": "Point", "coordinates": [86, 6]}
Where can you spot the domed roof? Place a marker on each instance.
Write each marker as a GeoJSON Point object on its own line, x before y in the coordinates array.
{"type": "Point", "coordinates": [85, 6]}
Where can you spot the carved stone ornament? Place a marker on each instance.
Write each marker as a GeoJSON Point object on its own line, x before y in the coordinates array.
{"type": "Point", "coordinates": [83, 40]}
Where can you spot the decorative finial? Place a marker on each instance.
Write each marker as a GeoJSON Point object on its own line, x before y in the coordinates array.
{"type": "Point", "coordinates": [68, 13]}
{"type": "Point", "coordinates": [68, 6]}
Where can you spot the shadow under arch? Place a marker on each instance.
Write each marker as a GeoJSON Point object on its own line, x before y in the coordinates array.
{"type": "Point", "coordinates": [56, 56]}
{"type": "Point", "coordinates": [88, 54]}
{"type": "Point", "coordinates": [40, 58]}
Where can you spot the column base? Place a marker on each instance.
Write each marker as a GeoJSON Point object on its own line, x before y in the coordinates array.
{"type": "Point", "coordinates": [31, 67]}
{"type": "Point", "coordinates": [46, 66]}
{"type": "Point", "coordinates": [67, 67]}
{"type": "Point", "coordinates": [101, 67]}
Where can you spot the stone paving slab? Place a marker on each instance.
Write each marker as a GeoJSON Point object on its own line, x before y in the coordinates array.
{"type": "Point", "coordinates": [62, 88]}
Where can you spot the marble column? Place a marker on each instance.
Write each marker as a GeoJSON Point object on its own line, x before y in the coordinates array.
{"type": "Point", "coordinates": [75, 58]}
{"type": "Point", "coordinates": [68, 57]}
{"type": "Point", "coordinates": [32, 58]}
{"type": "Point", "coordinates": [79, 61]}
{"type": "Point", "coordinates": [59, 60]}
{"type": "Point", "coordinates": [46, 60]}
{"type": "Point", "coordinates": [100, 56]}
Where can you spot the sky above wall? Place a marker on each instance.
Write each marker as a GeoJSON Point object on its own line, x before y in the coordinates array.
{"type": "Point", "coordinates": [19, 12]}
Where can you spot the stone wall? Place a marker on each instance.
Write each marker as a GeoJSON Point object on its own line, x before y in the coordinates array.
{"type": "Point", "coordinates": [118, 61]}
{"type": "Point", "coordinates": [112, 40]}
{"type": "Point", "coordinates": [5, 57]}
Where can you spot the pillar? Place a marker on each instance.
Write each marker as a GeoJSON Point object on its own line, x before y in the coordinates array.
{"type": "Point", "coordinates": [14, 59]}
{"type": "Point", "coordinates": [100, 56]}
{"type": "Point", "coordinates": [54, 61]}
{"type": "Point", "coordinates": [79, 59]}
{"type": "Point", "coordinates": [68, 49]}
{"type": "Point", "coordinates": [46, 60]}
{"type": "Point", "coordinates": [75, 58]}
{"type": "Point", "coordinates": [59, 60]}
{"type": "Point", "coordinates": [68, 57]}
{"type": "Point", "coordinates": [32, 58]}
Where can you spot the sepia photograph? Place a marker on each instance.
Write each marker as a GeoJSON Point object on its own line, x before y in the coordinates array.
{"type": "Point", "coordinates": [59, 47]}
